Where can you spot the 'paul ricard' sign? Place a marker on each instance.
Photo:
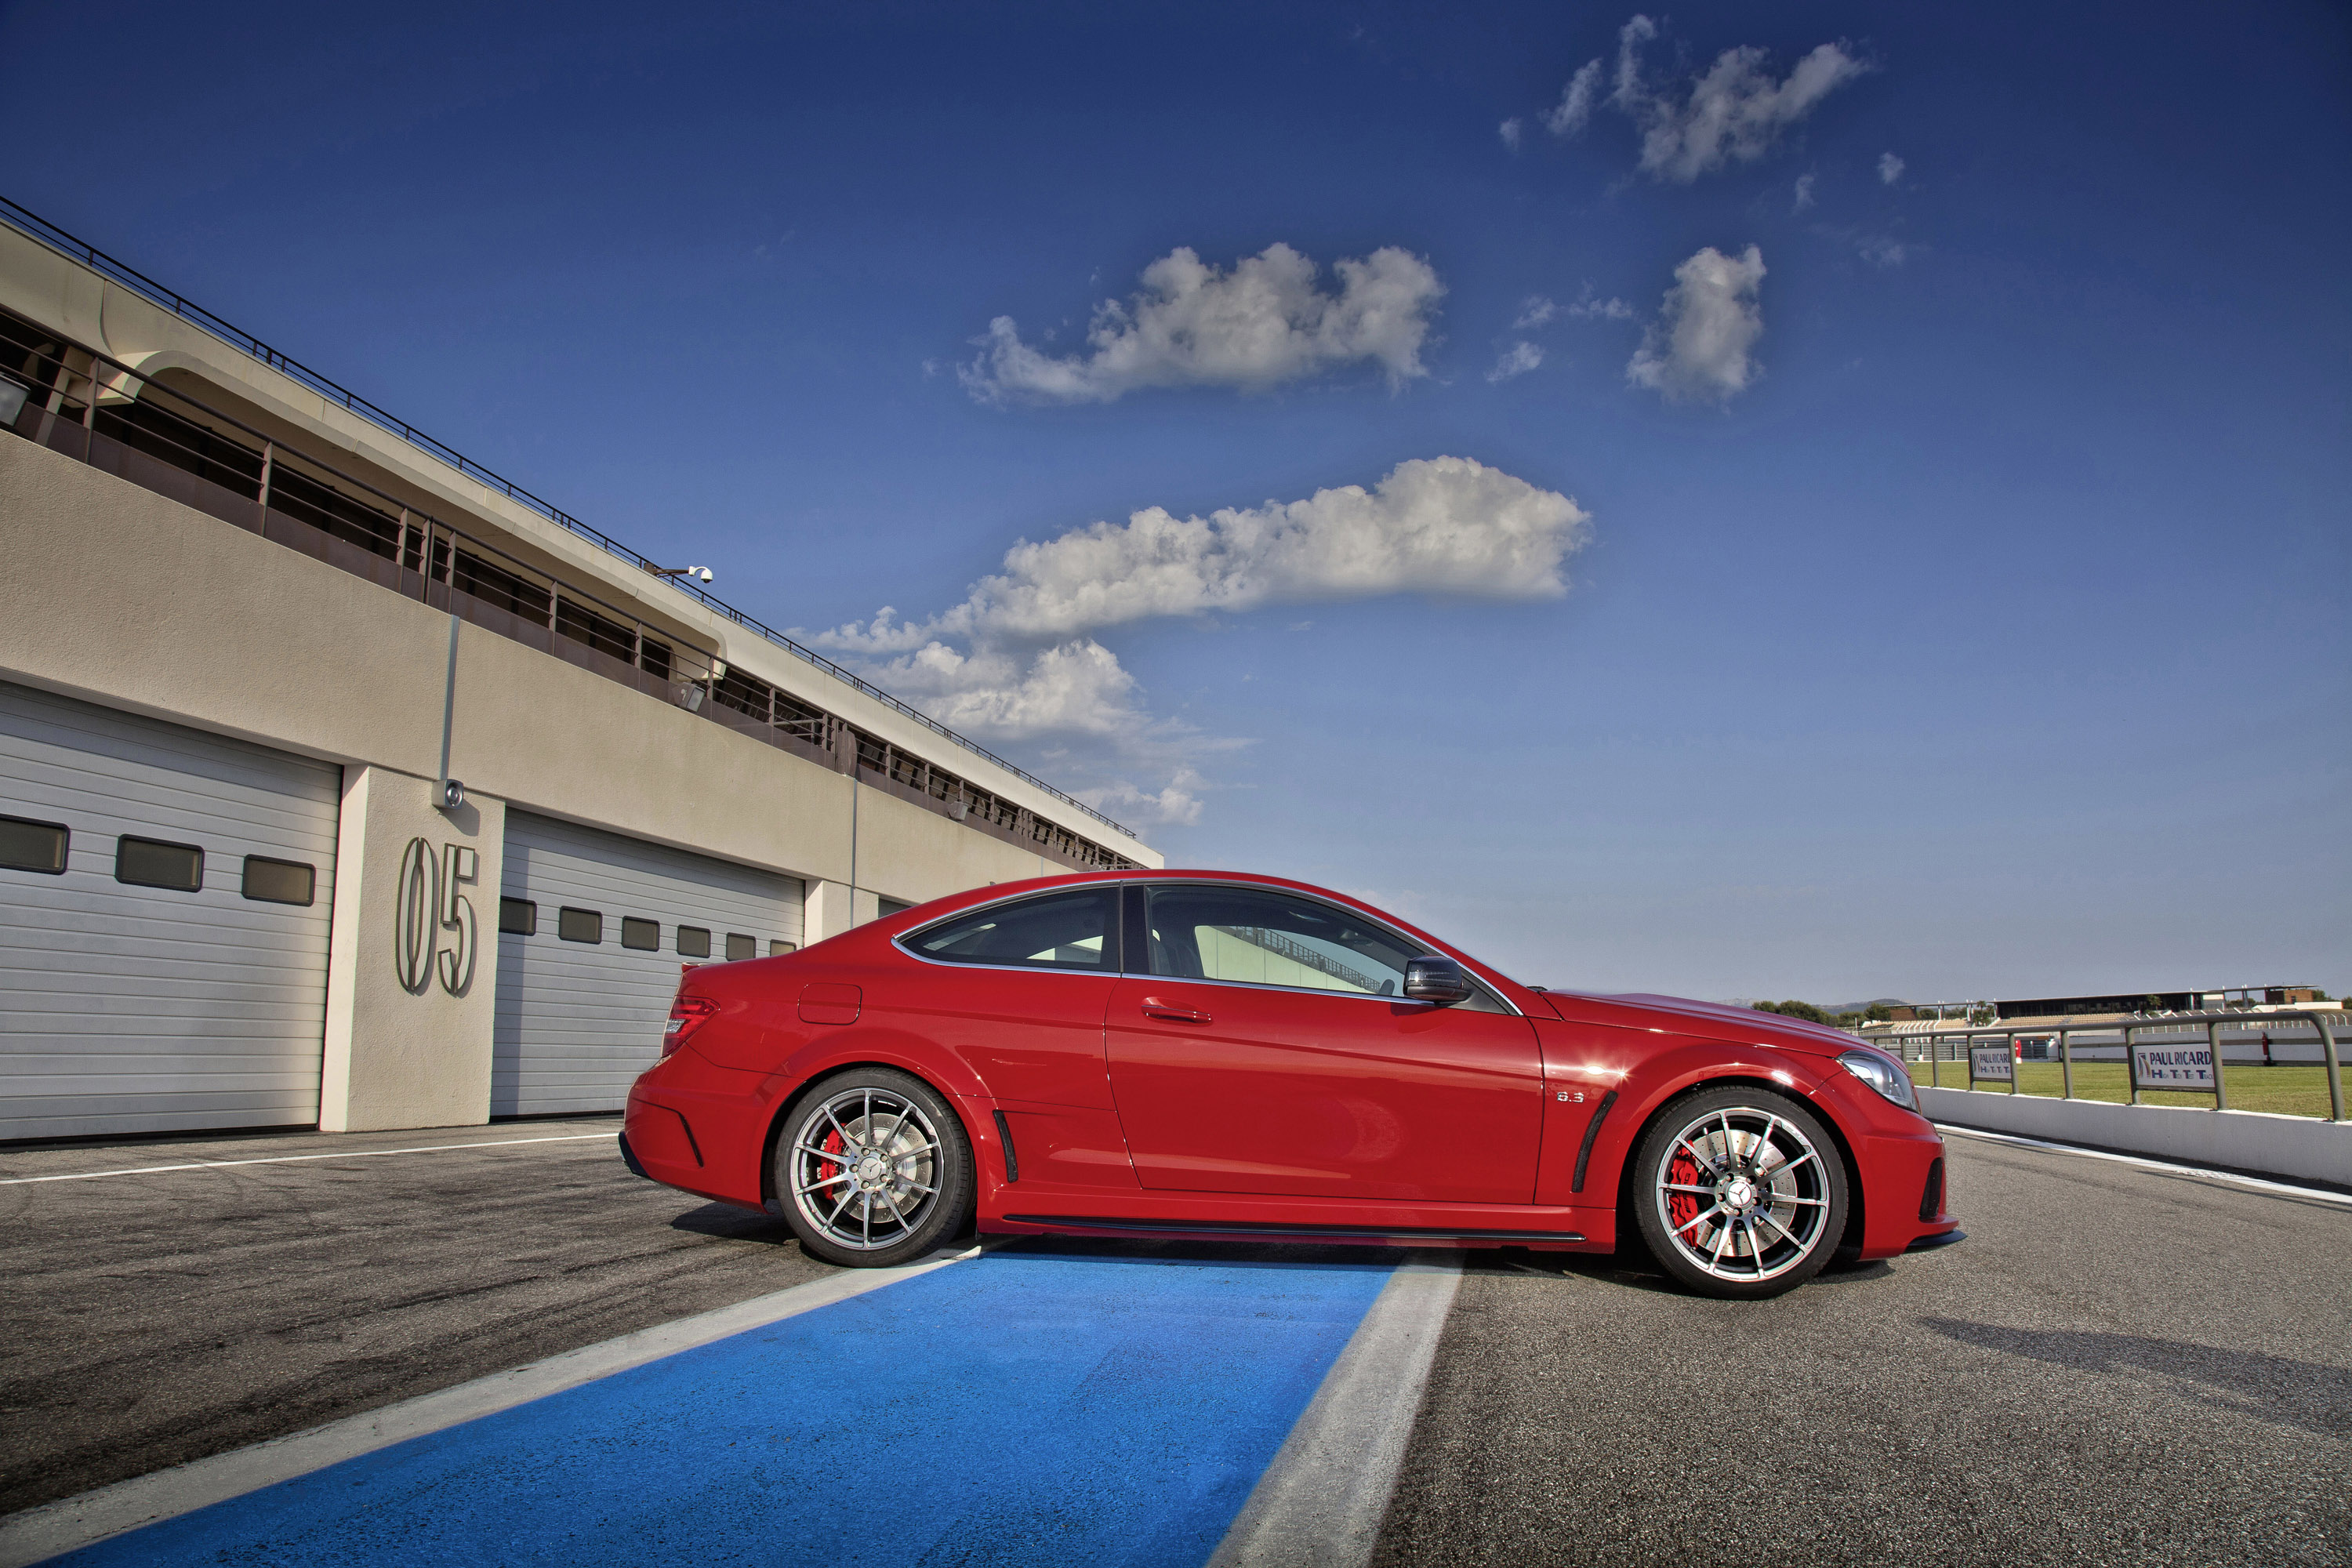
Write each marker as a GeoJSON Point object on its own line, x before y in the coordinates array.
{"type": "Point", "coordinates": [2189, 1066]}
{"type": "Point", "coordinates": [1995, 1063]}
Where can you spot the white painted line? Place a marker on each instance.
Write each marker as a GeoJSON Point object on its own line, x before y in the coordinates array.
{"type": "Point", "coordinates": [70, 1524]}
{"type": "Point", "coordinates": [1321, 1503]}
{"type": "Point", "coordinates": [2322, 1194]}
{"type": "Point", "coordinates": [295, 1159]}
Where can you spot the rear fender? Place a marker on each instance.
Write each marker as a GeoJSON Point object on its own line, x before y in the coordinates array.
{"type": "Point", "coordinates": [947, 1073]}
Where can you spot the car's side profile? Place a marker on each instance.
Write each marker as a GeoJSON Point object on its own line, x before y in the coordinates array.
{"type": "Point", "coordinates": [1239, 1057]}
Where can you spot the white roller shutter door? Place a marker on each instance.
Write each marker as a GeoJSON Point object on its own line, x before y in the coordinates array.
{"type": "Point", "coordinates": [140, 1008]}
{"type": "Point", "coordinates": [579, 1019]}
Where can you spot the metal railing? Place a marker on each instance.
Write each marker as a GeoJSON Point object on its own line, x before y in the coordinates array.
{"type": "Point", "coordinates": [88, 406]}
{"type": "Point", "coordinates": [35, 227]}
{"type": "Point", "coordinates": [2323, 1022]}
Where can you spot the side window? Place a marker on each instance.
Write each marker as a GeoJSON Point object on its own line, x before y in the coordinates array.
{"type": "Point", "coordinates": [26, 846]}
{"type": "Point", "coordinates": [518, 917]}
{"type": "Point", "coordinates": [643, 935]}
{"type": "Point", "coordinates": [1054, 931]}
{"type": "Point", "coordinates": [693, 942]}
{"type": "Point", "coordinates": [1266, 938]}
{"type": "Point", "coordinates": [152, 863]}
{"type": "Point", "coordinates": [279, 882]}
{"type": "Point", "coordinates": [740, 947]}
{"type": "Point", "coordinates": [580, 925]}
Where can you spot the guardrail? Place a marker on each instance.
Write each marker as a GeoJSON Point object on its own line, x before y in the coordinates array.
{"type": "Point", "coordinates": [37, 227]}
{"type": "Point", "coordinates": [2196, 1073]}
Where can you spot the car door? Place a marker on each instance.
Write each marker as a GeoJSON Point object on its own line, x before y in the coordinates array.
{"type": "Point", "coordinates": [1266, 1048]}
{"type": "Point", "coordinates": [1018, 988]}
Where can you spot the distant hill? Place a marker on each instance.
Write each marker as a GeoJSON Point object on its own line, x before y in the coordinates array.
{"type": "Point", "coordinates": [1832, 1011]}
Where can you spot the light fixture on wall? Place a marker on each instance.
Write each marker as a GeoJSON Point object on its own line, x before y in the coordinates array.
{"type": "Point", "coordinates": [688, 573]}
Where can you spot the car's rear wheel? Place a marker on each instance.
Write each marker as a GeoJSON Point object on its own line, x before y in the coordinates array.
{"type": "Point", "coordinates": [1741, 1192]}
{"type": "Point", "coordinates": [873, 1169]}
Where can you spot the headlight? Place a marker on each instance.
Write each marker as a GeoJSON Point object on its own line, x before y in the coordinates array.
{"type": "Point", "coordinates": [1883, 1076]}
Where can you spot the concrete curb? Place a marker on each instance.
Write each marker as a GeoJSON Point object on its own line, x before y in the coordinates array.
{"type": "Point", "coordinates": [2299, 1146]}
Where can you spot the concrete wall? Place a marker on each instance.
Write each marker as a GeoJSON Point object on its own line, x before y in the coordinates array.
{"type": "Point", "coordinates": [398, 1057]}
{"type": "Point", "coordinates": [2290, 1146]}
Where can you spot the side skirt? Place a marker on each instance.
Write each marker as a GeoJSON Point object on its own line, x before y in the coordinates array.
{"type": "Point", "coordinates": [1422, 1234]}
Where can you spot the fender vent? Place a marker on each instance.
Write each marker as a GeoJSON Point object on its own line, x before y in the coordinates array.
{"type": "Point", "coordinates": [1931, 1203]}
{"type": "Point", "coordinates": [1011, 1160]}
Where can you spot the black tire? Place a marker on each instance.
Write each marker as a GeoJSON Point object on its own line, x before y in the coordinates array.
{"type": "Point", "coordinates": [1712, 1225]}
{"type": "Point", "coordinates": [873, 1169]}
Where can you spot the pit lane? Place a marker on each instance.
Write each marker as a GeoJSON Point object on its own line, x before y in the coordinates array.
{"type": "Point", "coordinates": [2119, 1365]}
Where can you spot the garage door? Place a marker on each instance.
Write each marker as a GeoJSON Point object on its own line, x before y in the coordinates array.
{"type": "Point", "coordinates": [166, 896]}
{"type": "Point", "coordinates": [593, 928]}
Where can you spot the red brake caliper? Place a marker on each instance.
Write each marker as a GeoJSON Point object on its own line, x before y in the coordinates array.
{"type": "Point", "coordinates": [1681, 1207]}
{"type": "Point", "coordinates": [826, 1169]}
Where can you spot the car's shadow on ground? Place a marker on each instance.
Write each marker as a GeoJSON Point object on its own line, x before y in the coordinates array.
{"type": "Point", "coordinates": [1632, 1269]}
{"type": "Point", "coordinates": [728, 1222]}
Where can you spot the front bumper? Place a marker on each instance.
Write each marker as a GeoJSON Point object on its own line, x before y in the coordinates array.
{"type": "Point", "coordinates": [1906, 1190]}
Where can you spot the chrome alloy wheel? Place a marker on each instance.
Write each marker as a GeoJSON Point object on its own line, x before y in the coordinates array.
{"type": "Point", "coordinates": [866, 1168]}
{"type": "Point", "coordinates": [1743, 1195]}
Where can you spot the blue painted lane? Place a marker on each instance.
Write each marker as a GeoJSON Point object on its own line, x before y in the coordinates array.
{"type": "Point", "coordinates": [1026, 1406]}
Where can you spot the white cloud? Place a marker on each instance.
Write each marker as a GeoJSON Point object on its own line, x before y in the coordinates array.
{"type": "Point", "coordinates": [1804, 194]}
{"type": "Point", "coordinates": [1880, 250]}
{"type": "Point", "coordinates": [1701, 347]}
{"type": "Point", "coordinates": [1890, 168]}
{"type": "Point", "coordinates": [1733, 113]}
{"type": "Point", "coordinates": [1265, 322]}
{"type": "Point", "coordinates": [1175, 804]}
{"type": "Point", "coordinates": [1517, 360]}
{"type": "Point", "coordinates": [1444, 525]}
{"type": "Point", "coordinates": [1588, 307]}
{"type": "Point", "coordinates": [1511, 130]}
{"type": "Point", "coordinates": [1567, 117]}
{"type": "Point", "coordinates": [1534, 312]}
{"type": "Point", "coordinates": [1018, 659]}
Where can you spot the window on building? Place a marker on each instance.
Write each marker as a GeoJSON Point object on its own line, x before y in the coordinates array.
{"type": "Point", "coordinates": [740, 947]}
{"type": "Point", "coordinates": [778, 949]}
{"type": "Point", "coordinates": [279, 882]}
{"type": "Point", "coordinates": [580, 925]}
{"type": "Point", "coordinates": [28, 846]}
{"type": "Point", "coordinates": [645, 936]}
{"type": "Point", "coordinates": [885, 908]}
{"type": "Point", "coordinates": [693, 942]}
{"type": "Point", "coordinates": [153, 863]}
{"type": "Point", "coordinates": [518, 917]}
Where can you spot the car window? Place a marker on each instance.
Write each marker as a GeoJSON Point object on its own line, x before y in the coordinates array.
{"type": "Point", "coordinates": [1055, 930]}
{"type": "Point", "coordinates": [1272, 939]}
{"type": "Point", "coordinates": [1260, 937]}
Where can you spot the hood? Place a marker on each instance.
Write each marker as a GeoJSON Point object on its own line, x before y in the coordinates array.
{"type": "Point", "coordinates": [1716, 1018]}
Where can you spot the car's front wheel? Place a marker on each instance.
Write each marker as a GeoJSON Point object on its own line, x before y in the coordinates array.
{"type": "Point", "coordinates": [873, 1169]}
{"type": "Point", "coordinates": [1741, 1192]}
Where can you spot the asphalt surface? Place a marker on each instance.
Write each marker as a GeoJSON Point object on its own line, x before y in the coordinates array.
{"type": "Point", "coordinates": [155, 1319]}
{"type": "Point", "coordinates": [2117, 1367]}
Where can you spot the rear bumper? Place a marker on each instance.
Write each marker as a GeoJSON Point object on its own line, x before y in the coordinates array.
{"type": "Point", "coordinates": [682, 1141]}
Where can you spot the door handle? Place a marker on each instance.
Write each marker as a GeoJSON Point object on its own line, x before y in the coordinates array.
{"type": "Point", "coordinates": [1153, 1007]}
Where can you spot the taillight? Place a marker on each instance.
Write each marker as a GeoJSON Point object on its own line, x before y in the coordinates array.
{"type": "Point", "coordinates": [687, 1014]}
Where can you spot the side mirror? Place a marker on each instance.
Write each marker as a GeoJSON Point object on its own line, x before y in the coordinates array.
{"type": "Point", "coordinates": [1438, 980]}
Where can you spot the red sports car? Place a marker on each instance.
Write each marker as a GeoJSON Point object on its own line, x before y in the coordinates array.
{"type": "Point", "coordinates": [1215, 1055]}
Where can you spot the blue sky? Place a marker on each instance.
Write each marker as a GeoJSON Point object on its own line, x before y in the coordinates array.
{"type": "Point", "coordinates": [1956, 607]}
